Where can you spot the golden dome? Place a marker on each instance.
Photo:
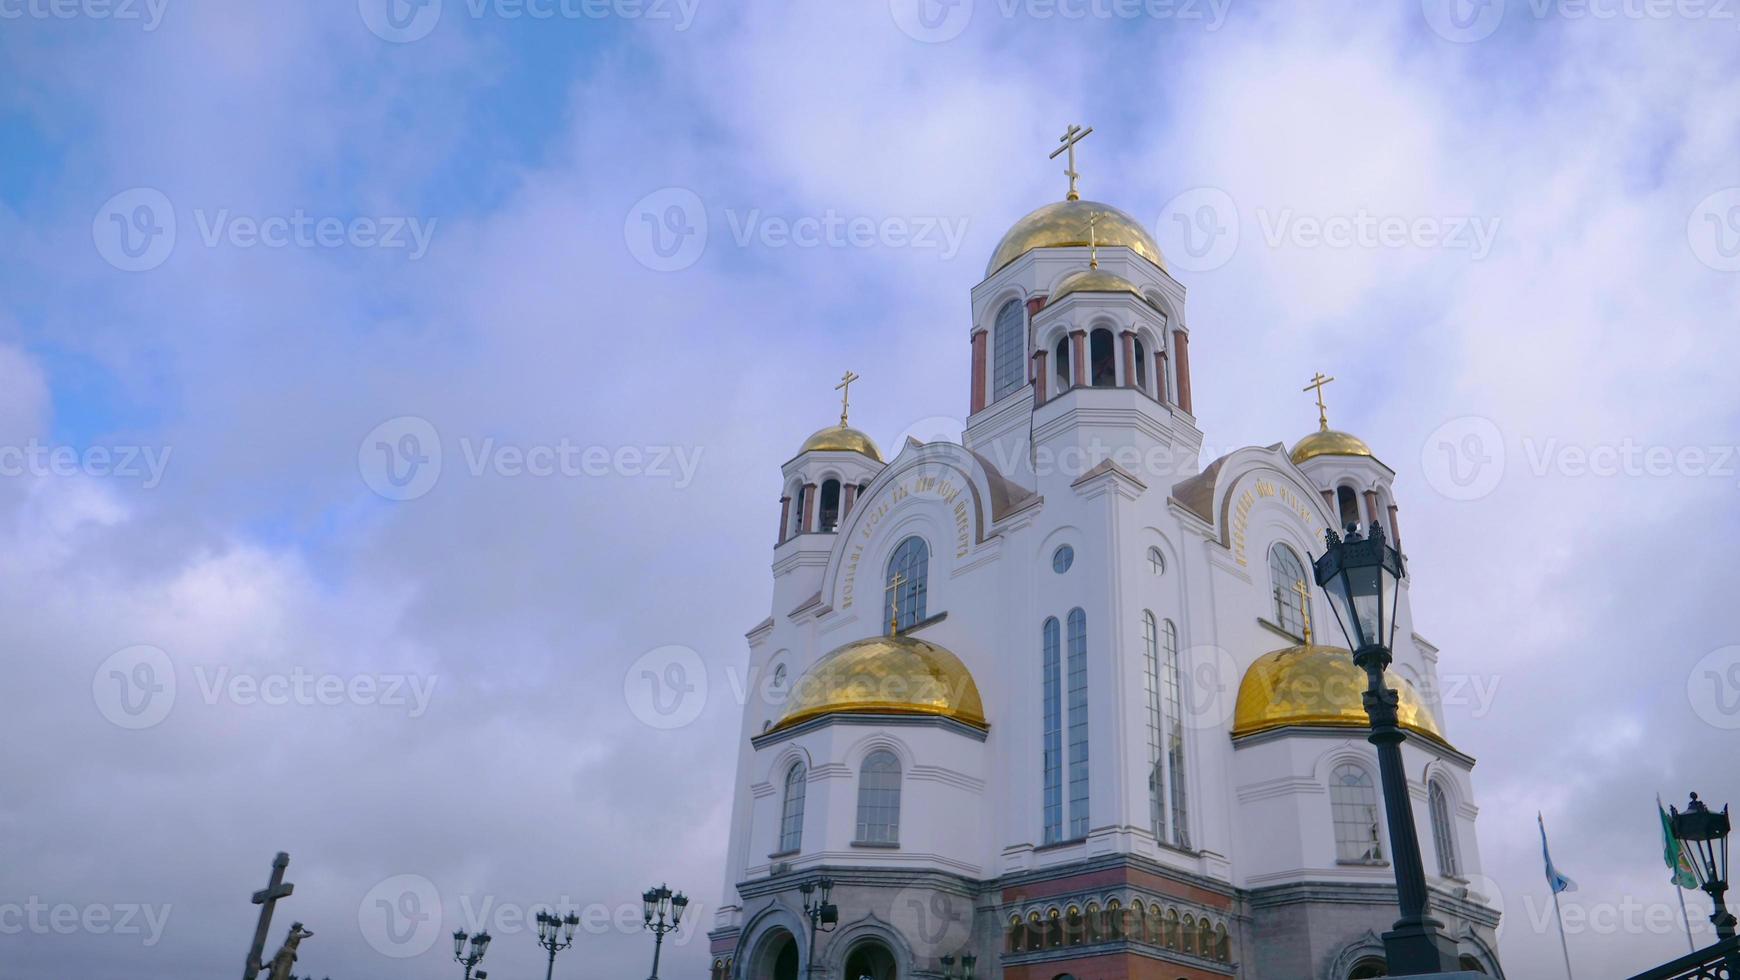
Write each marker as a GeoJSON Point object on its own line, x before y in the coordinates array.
{"type": "Point", "coordinates": [1096, 281]}
{"type": "Point", "coordinates": [840, 439]}
{"type": "Point", "coordinates": [1329, 442]}
{"type": "Point", "coordinates": [1065, 225]}
{"type": "Point", "coordinates": [887, 675]}
{"type": "Point", "coordinates": [1318, 685]}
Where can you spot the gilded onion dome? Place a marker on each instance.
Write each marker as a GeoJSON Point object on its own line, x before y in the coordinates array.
{"type": "Point", "coordinates": [1064, 224]}
{"type": "Point", "coordinates": [1329, 442]}
{"type": "Point", "coordinates": [887, 675]}
{"type": "Point", "coordinates": [1319, 686]}
{"type": "Point", "coordinates": [1096, 281]}
{"type": "Point", "coordinates": [841, 439]}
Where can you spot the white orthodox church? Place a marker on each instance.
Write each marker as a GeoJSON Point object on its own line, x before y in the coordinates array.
{"type": "Point", "coordinates": [1052, 698]}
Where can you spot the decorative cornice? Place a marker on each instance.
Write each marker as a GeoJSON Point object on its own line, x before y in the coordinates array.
{"type": "Point", "coordinates": [766, 739]}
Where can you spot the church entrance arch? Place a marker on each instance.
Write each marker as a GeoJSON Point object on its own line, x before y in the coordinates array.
{"type": "Point", "coordinates": [776, 958]}
{"type": "Point", "coordinates": [870, 960]}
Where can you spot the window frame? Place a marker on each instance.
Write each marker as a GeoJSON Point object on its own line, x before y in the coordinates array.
{"type": "Point", "coordinates": [872, 831]}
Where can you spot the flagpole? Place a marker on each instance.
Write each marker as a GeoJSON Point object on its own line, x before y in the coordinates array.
{"type": "Point", "coordinates": [1680, 894]}
{"type": "Point", "coordinates": [1555, 883]}
{"type": "Point", "coordinates": [1563, 946]}
{"type": "Point", "coordinates": [1676, 864]}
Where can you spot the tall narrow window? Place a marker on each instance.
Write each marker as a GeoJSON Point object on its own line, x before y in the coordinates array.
{"type": "Point", "coordinates": [1141, 366]}
{"type": "Point", "coordinates": [1348, 504]}
{"type": "Point", "coordinates": [1151, 688]}
{"type": "Point", "coordinates": [1175, 735]}
{"type": "Point", "coordinates": [1287, 581]}
{"type": "Point", "coordinates": [908, 570]}
{"type": "Point", "coordinates": [1008, 343]}
{"type": "Point", "coordinates": [879, 799]}
{"type": "Point", "coordinates": [830, 505]}
{"type": "Point", "coordinates": [1443, 831]}
{"type": "Point", "coordinates": [1052, 751]}
{"type": "Point", "coordinates": [791, 815]}
{"type": "Point", "coordinates": [1078, 724]}
{"type": "Point", "coordinates": [1102, 359]}
{"type": "Point", "coordinates": [1353, 801]}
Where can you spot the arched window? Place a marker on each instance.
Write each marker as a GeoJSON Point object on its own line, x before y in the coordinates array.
{"type": "Point", "coordinates": [879, 799]}
{"type": "Point", "coordinates": [1078, 724]}
{"type": "Point", "coordinates": [830, 505]}
{"type": "Point", "coordinates": [1348, 504]}
{"type": "Point", "coordinates": [1287, 581]}
{"type": "Point", "coordinates": [1007, 347]}
{"type": "Point", "coordinates": [1102, 359]}
{"type": "Point", "coordinates": [1141, 366]}
{"type": "Point", "coordinates": [1171, 928]}
{"type": "Point", "coordinates": [791, 814]}
{"type": "Point", "coordinates": [1222, 946]}
{"type": "Point", "coordinates": [1175, 737]}
{"type": "Point", "coordinates": [1353, 801]}
{"type": "Point", "coordinates": [1052, 751]}
{"type": "Point", "coordinates": [908, 570]}
{"type": "Point", "coordinates": [1156, 753]}
{"type": "Point", "coordinates": [1470, 964]}
{"type": "Point", "coordinates": [1443, 831]}
{"type": "Point", "coordinates": [1156, 561]}
{"type": "Point", "coordinates": [1367, 968]}
{"type": "Point", "coordinates": [1060, 358]}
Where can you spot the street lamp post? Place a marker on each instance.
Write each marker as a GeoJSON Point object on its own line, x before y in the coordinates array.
{"type": "Point", "coordinates": [664, 912]}
{"type": "Point", "coordinates": [1707, 833]}
{"type": "Point", "coordinates": [966, 972]}
{"type": "Point", "coordinates": [555, 933]}
{"type": "Point", "coordinates": [479, 943]}
{"type": "Point", "coordinates": [1362, 576]}
{"type": "Point", "coordinates": [822, 914]}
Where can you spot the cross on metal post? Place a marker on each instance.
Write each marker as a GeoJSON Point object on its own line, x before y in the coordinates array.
{"type": "Point", "coordinates": [845, 390]}
{"type": "Point", "coordinates": [1075, 134]}
{"type": "Point", "coordinates": [267, 898]}
{"type": "Point", "coordinates": [1318, 381]}
{"type": "Point", "coordinates": [894, 585]}
{"type": "Point", "coordinates": [1304, 607]}
{"type": "Point", "coordinates": [1093, 240]}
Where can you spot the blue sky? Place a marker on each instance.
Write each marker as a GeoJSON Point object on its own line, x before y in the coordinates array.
{"type": "Point", "coordinates": [1600, 151]}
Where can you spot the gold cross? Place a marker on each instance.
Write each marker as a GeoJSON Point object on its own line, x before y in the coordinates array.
{"type": "Point", "coordinates": [1093, 240]}
{"type": "Point", "coordinates": [845, 390]}
{"type": "Point", "coordinates": [1318, 381]}
{"type": "Point", "coordinates": [1075, 134]}
{"type": "Point", "coordinates": [894, 585]}
{"type": "Point", "coordinates": [1304, 607]}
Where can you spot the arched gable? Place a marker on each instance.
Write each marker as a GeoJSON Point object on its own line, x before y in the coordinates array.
{"type": "Point", "coordinates": [1241, 487]}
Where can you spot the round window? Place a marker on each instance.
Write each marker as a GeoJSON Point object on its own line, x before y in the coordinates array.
{"type": "Point", "coordinates": [1062, 558]}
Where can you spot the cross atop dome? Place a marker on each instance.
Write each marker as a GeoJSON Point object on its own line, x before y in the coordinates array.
{"type": "Point", "coordinates": [1071, 136]}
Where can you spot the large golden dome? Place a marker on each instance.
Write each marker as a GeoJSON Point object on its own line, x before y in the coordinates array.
{"type": "Point", "coordinates": [1065, 225]}
{"type": "Point", "coordinates": [1321, 686]}
{"type": "Point", "coordinates": [1329, 442]}
{"type": "Point", "coordinates": [887, 675]}
{"type": "Point", "coordinates": [841, 439]}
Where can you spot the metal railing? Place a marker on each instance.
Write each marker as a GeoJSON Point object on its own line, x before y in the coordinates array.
{"type": "Point", "coordinates": [1718, 962]}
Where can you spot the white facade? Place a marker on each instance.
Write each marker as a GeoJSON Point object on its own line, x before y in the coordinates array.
{"type": "Point", "coordinates": [1245, 838]}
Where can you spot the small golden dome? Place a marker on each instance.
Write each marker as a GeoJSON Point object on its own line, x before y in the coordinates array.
{"type": "Point", "coordinates": [1065, 225]}
{"type": "Point", "coordinates": [841, 439]}
{"type": "Point", "coordinates": [887, 675]}
{"type": "Point", "coordinates": [1096, 281]}
{"type": "Point", "coordinates": [1319, 685]}
{"type": "Point", "coordinates": [1329, 442]}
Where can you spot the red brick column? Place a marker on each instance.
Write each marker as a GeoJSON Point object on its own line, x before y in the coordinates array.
{"type": "Point", "coordinates": [978, 397]}
{"type": "Point", "coordinates": [1039, 377]}
{"type": "Point", "coordinates": [1329, 502]}
{"type": "Point", "coordinates": [1181, 341]}
{"type": "Point", "coordinates": [1078, 358]}
{"type": "Point", "coordinates": [807, 500]}
{"type": "Point", "coordinates": [1395, 529]}
{"type": "Point", "coordinates": [784, 517]}
{"type": "Point", "coordinates": [1371, 513]}
{"type": "Point", "coordinates": [848, 493]}
{"type": "Point", "coordinates": [1162, 384]}
{"type": "Point", "coordinates": [1129, 358]}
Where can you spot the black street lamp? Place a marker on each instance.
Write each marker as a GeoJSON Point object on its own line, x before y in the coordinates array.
{"type": "Point", "coordinates": [1707, 833]}
{"type": "Point", "coordinates": [1362, 576]}
{"type": "Point", "coordinates": [664, 912]}
{"type": "Point", "coordinates": [555, 933]}
{"type": "Point", "coordinates": [822, 914]}
{"type": "Point", "coordinates": [967, 961]}
{"type": "Point", "coordinates": [479, 943]}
